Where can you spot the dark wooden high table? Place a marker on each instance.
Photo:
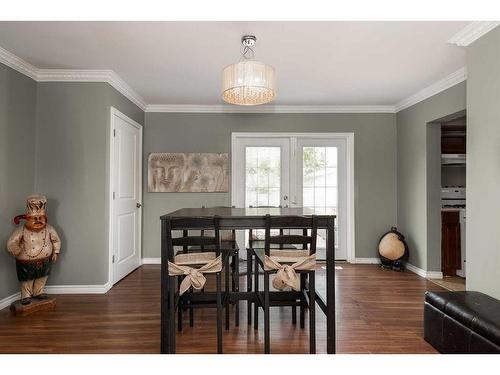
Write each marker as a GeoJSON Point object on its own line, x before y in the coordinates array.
{"type": "Point", "coordinates": [253, 218]}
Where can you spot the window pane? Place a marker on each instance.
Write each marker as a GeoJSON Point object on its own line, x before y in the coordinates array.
{"type": "Point", "coordinates": [319, 177]}
{"type": "Point", "coordinates": [308, 178]}
{"type": "Point", "coordinates": [251, 180]}
{"type": "Point", "coordinates": [331, 177]}
{"type": "Point", "coordinates": [319, 182]}
{"type": "Point", "coordinates": [331, 197]}
{"type": "Point", "coordinates": [263, 197]}
{"type": "Point", "coordinates": [274, 197]}
{"type": "Point", "coordinates": [308, 198]}
{"type": "Point", "coordinates": [251, 157]}
{"type": "Point", "coordinates": [274, 179]}
{"type": "Point", "coordinates": [263, 177]}
{"type": "Point", "coordinates": [251, 197]}
{"type": "Point", "coordinates": [319, 197]}
{"type": "Point", "coordinates": [263, 173]}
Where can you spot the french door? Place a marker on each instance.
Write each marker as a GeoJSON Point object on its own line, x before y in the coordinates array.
{"type": "Point", "coordinates": [298, 170]}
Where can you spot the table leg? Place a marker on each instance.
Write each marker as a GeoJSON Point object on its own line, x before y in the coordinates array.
{"type": "Point", "coordinates": [330, 286]}
{"type": "Point", "coordinates": [164, 331]}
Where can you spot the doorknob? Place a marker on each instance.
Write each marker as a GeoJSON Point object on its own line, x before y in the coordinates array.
{"type": "Point", "coordinates": [138, 205]}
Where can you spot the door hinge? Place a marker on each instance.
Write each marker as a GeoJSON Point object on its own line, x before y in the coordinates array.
{"type": "Point", "coordinates": [114, 195]}
{"type": "Point", "coordinates": [114, 132]}
{"type": "Point", "coordinates": [113, 259]}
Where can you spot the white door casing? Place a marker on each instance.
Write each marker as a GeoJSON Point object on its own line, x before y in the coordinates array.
{"type": "Point", "coordinates": [125, 195]}
{"type": "Point", "coordinates": [292, 144]}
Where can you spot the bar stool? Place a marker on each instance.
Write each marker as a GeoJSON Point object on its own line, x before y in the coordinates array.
{"type": "Point", "coordinates": [230, 250]}
{"type": "Point", "coordinates": [189, 268]}
{"type": "Point", "coordinates": [254, 242]}
{"type": "Point", "coordinates": [287, 264]}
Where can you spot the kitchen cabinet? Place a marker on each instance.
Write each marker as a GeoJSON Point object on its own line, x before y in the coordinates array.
{"type": "Point", "coordinates": [453, 144]}
{"type": "Point", "coordinates": [450, 242]}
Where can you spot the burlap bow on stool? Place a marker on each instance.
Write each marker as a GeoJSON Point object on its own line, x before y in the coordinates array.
{"type": "Point", "coordinates": [286, 275]}
{"type": "Point", "coordinates": [194, 276]}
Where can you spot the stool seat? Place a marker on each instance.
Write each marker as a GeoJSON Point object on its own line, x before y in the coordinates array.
{"type": "Point", "coordinates": [282, 256]}
{"type": "Point", "coordinates": [194, 259]}
{"type": "Point", "coordinates": [288, 256]}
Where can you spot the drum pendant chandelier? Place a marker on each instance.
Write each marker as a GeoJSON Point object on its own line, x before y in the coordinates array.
{"type": "Point", "coordinates": [248, 82]}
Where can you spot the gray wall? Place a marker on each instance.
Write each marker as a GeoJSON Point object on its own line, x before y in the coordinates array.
{"type": "Point", "coordinates": [421, 226]}
{"type": "Point", "coordinates": [374, 170]}
{"type": "Point", "coordinates": [17, 161]}
{"type": "Point", "coordinates": [483, 164]}
{"type": "Point", "coordinates": [72, 171]}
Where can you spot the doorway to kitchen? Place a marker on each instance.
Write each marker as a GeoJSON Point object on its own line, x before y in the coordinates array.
{"type": "Point", "coordinates": [310, 170]}
{"type": "Point", "coordinates": [446, 201]}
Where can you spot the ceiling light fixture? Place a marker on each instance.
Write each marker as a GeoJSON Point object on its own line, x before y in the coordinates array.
{"type": "Point", "coordinates": [248, 82]}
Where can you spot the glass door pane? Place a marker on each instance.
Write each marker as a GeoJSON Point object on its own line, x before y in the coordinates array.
{"type": "Point", "coordinates": [262, 176]}
{"type": "Point", "coordinates": [319, 186]}
{"type": "Point", "coordinates": [262, 179]}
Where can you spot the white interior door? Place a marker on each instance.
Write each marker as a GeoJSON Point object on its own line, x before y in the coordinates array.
{"type": "Point", "coordinates": [297, 170]}
{"type": "Point", "coordinates": [126, 195]}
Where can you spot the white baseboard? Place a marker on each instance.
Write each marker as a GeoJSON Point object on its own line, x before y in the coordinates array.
{"type": "Point", "coordinates": [8, 300]}
{"type": "Point", "coordinates": [423, 273]}
{"type": "Point", "coordinates": [419, 271]}
{"type": "Point", "coordinates": [434, 275]}
{"type": "Point", "coordinates": [61, 289]}
{"type": "Point", "coordinates": [366, 261]}
{"type": "Point", "coordinates": [151, 260]}
{"type": "Point", "coordinates": [78, 289]}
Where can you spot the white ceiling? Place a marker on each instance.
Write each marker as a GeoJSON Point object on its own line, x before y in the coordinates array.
{"type": "Point", "coordinates": [317, 63]}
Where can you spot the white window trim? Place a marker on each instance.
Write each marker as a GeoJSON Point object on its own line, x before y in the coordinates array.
{"type": "Point", "coordinates": [348, 137]}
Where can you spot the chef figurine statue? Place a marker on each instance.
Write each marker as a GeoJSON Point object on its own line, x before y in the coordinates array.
{"type": "Point", "coordinates": [36, 246]}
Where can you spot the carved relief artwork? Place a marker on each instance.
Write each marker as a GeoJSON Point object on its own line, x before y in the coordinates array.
{"type": "Point", "coordinates": [188, 172]}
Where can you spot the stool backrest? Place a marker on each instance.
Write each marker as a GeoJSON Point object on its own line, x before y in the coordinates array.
{"type": "Point", "coordinates": [228, 235]}
{"type": "Point", "coordinates": [197, 224]}
{"type": "Point", "coordinates": [291, 222]}
{"type": "Point", "coordinates": [251, 236]}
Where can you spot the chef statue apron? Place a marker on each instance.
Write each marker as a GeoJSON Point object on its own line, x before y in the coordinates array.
{"type": "Point", "coordinates": [35, 245]}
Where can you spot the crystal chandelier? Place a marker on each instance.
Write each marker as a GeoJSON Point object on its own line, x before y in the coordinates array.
{"type": "Point", "coordinates": [248, 82]}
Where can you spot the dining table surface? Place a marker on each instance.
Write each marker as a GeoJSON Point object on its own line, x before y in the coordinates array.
{"type": "Point", "coordinates": [254, 218]}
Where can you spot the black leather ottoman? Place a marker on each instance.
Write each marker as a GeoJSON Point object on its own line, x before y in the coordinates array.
{"type": "Point", "coordinates": [462, 322]}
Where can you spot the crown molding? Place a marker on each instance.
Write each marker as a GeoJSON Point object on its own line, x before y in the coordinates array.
{"type": "Point", "coordinates": [449, 81]}
{"type": "Point", "coordinates": [71, 75]}
{"type": "Point", "coordinates": [270, 108]}
{"type": "Point", "coordinates": [110, 77]}
{"type": "Point", "coordinates": [84, 75]}
{"type": "Point", "coordinates": [472, 32]}
{"type": "Point", "coordinates": [16, 63]}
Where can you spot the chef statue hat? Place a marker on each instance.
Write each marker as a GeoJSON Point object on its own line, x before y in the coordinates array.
{"type": "Point", "coordinates": [35, 205]}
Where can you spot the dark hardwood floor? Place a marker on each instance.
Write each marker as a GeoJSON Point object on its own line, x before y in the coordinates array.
{"type": "Point", "coordinates": [377, 312]}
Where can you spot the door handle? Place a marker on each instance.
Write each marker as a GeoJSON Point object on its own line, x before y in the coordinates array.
{"type": "Point", "coordinates": [138, 205]}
